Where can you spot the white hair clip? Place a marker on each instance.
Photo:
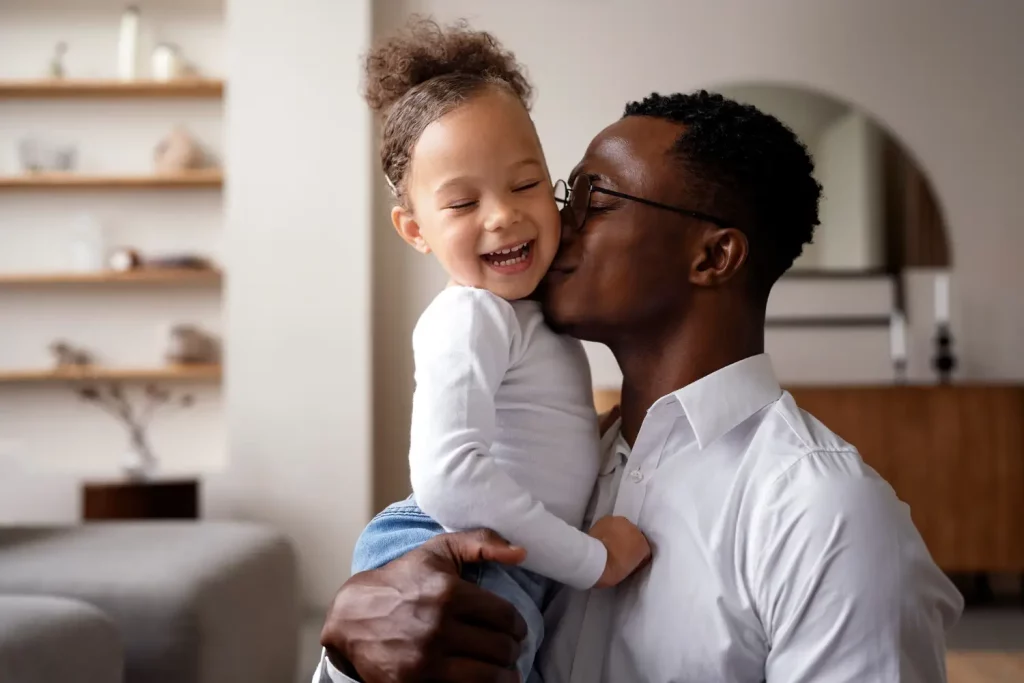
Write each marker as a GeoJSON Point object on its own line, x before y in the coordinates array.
{"type": "Point", "coordinates": [394, 190]}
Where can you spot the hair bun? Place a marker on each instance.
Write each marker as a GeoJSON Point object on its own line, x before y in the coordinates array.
{"type": "Point", "coordinates": [424, 50]}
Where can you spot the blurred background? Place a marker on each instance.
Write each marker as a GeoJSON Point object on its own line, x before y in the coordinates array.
{"type": "Point", "coordinates": [205, 313]}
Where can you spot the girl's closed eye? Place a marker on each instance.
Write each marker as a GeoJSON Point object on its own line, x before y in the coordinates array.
{"type": "Point", "coordinates": [461, 205]}
{"type": "Point", "coordinates": [529, 185]}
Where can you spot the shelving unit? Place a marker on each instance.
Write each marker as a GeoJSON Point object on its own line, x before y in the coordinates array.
{"type": "Point", "coordinates": [212, 178]}
{"type": "Point", "coordinates": [89, 89]}
{"type": "Point", "coordinates": [168, 373]}
{"type": "Point", "coordinates": [161, 276]}
{"type": "Point", "coordinates": [114, 198]}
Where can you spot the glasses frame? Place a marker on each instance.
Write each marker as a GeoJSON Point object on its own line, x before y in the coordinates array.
{"type": "Point", "coordinates": [566, 202]}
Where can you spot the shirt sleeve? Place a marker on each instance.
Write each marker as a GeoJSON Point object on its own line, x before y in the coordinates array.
{"type": "Point", "coordinates": [848, 592]}
{"type": "Point", "coordinates": [464, 344]}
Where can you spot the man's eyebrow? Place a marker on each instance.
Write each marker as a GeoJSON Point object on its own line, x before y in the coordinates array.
{"type": "Point", "coordinates": [593, 175]}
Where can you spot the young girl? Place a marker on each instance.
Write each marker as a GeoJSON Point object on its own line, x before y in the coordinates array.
{"type": "Point", "coordinates": [504, 433]}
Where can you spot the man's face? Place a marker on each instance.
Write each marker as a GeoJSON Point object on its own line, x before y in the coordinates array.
{"type": "Point", "coordinates": [628, 268]}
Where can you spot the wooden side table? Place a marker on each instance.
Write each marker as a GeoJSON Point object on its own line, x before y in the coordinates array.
{"type": "Point", "coordinates": [165, 499]}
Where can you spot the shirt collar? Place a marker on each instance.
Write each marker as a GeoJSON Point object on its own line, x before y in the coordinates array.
{"type": "Point", "coordinates": [614, 448]}
{"type": "Point", "coordinates": [722, 400]}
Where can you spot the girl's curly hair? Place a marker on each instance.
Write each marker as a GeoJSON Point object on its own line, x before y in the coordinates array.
{"type": "Point", "coordinates": [425, 71]}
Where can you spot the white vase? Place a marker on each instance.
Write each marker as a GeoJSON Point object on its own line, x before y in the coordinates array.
{"type": "Point", "coordinates": [128, 45]}
{"type": "Point", "coordinates": [139, 462]}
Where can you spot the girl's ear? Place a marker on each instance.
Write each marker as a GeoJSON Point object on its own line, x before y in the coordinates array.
{"type": "Point", "coordinates": [406, 225]}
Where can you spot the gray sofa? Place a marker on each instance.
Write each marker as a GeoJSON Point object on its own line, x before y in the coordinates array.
{"type": "Point", "coordinates": [206, 602]}
{"type": "Point", "coordinates": [45, 640]}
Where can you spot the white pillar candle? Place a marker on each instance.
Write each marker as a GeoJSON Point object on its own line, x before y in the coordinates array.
{"type": "Point", "coordinates": [898, 336]}
{"type": "Point", "coordinates": [128, 45]}
{"type": "Point", "coordinates": [942, 298]}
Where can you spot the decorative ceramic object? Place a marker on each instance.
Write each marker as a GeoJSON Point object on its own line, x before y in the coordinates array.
{"type": "Point", "coordinates": [189, 344]}
{"type": "Point", "coordinates": [167, 63]}
{"type": "Point", "coordinates": [178, 152]}
{"type": "Point", "coordinates": [124, 259]}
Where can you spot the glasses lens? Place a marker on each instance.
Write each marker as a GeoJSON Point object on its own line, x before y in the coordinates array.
{"type": "Point", "coordinates": [579, 199]}
{"type": "Point", "coordinates": [561, 192]}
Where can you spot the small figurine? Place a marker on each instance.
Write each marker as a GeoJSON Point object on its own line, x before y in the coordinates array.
{"type": "Point", "coordinates": [189, 344]}
{"type": "Point", "coordinates": [57, 61]}
{"type": "Point", "coordinates": [67, 355]}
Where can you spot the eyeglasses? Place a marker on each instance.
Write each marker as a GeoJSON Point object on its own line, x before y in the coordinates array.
{"type": "Point", "coordinates": [577, 200]}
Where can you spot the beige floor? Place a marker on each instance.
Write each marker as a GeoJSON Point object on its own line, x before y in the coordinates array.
{"type": "Point", "coordinates": [985, 647]}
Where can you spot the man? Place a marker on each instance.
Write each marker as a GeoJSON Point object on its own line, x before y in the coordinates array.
{"type": "Point", "coordinates": [779, 556]}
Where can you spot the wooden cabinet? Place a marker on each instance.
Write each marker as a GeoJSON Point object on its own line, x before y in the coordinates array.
{"type": "Point", "coordinates": [954, 454]}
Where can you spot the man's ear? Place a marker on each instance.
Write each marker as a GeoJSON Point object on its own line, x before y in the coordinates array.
{"type": "Point", "coordinates": [406, 225]}
{"type": "Point", "coordinates": [720, 255]}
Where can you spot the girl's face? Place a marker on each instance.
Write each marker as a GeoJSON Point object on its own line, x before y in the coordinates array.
{"type": "Point", "coordinates": [481, 197]}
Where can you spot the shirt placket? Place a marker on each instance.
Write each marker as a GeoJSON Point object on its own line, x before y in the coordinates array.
{"type": "Point", "coordinates": [643, 460]}
{"type": "Point", "coordinates": [631, 477]}
{"type": "Point", "coordinates": [588, 660]}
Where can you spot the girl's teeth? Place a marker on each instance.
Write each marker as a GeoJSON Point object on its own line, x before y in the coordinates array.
{"type": "Point", "coordinates": [521, 251]}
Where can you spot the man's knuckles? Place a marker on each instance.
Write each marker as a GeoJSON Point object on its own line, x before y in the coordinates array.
{"type": "Point", "coordinates": [438, 589]}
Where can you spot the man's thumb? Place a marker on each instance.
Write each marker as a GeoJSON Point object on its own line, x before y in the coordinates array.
{"type": "Point", "coordinates": [482, 545]}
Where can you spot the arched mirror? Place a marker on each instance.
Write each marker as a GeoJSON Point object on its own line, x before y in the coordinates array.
{"type": "Point", "coordinates": [878, 213]}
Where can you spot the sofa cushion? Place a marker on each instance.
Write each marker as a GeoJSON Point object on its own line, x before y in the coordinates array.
{"type": "Point", "coordinates": [195, 602]}
{"type": "Point", "coordinates": [45, 639]}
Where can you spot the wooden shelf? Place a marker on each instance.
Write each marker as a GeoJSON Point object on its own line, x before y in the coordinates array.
{"type": "Point", "coordinates": [168, 373]}
{"type": "Point", "coordinates": [202, 178]}
{"type": "Point", "coordinates": [89, 89]}
{"type": "Point", "coordinates": [169, 276]}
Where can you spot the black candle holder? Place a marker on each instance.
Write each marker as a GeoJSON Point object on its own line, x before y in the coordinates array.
{"type": "Point", "coordinates": [944, 361]}
{"type": "Point", "coordinates": [899, 367]}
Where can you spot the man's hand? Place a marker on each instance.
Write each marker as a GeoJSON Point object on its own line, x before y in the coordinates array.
{"type": "Point", "coordinates": [416, 620]}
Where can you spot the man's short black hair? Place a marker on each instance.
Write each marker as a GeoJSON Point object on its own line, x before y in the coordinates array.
{"type": "Point", "coordinates": [755, 170]}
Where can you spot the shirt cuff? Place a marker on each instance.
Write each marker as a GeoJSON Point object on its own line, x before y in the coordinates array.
{"type": "Point", "coordinates": [327, 673]}
{"type": "Point", "coordinates": [593, 565]}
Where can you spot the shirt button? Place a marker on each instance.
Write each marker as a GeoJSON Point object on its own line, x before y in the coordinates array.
{"type": "Point", "coordinates": [636, 475]}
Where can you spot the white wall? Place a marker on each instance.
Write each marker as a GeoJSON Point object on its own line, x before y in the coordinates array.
{"type": "Point", "coordinates": [943, 75]}
{"type": "Point", "coordinates": [48, 438]}
{"type": "Point", "coordinates": [298, 296]}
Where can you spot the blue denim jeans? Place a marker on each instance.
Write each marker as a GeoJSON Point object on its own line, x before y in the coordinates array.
{"type": "Point", "coordinates": [402, 526]}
